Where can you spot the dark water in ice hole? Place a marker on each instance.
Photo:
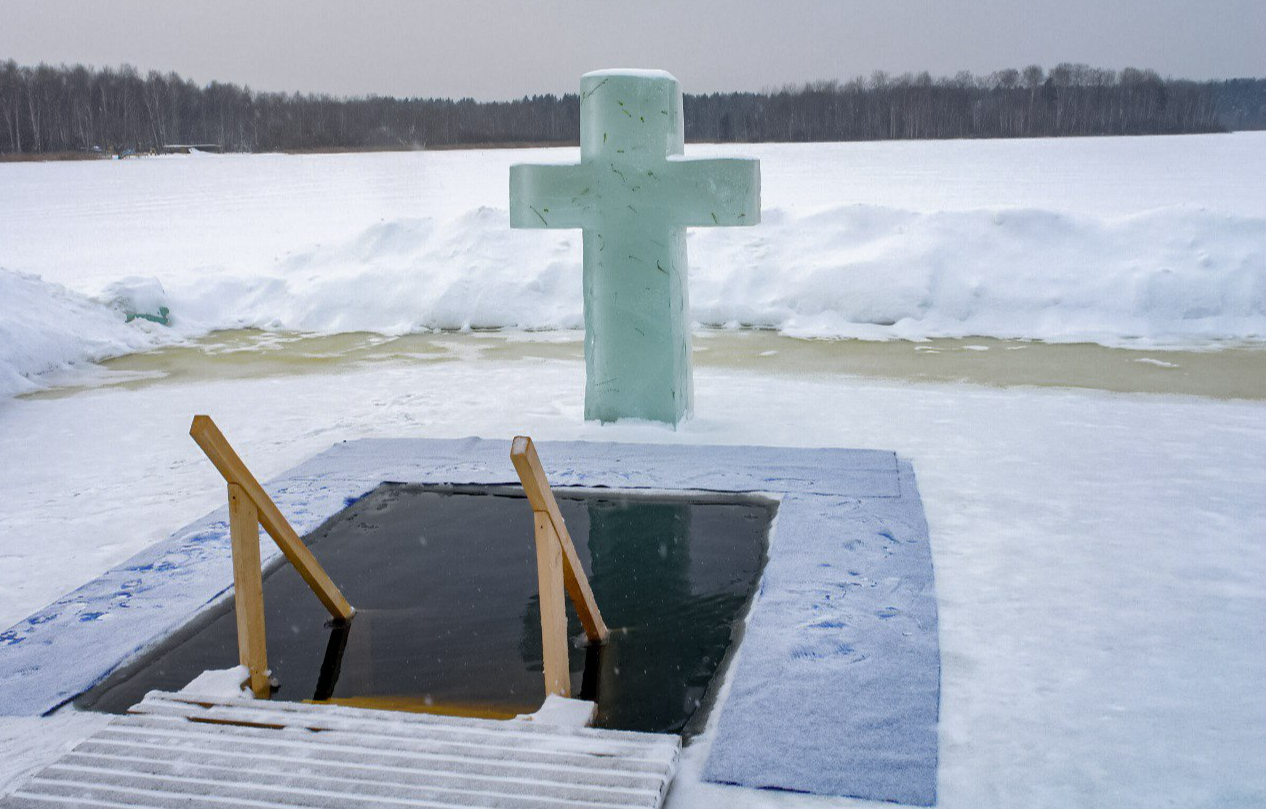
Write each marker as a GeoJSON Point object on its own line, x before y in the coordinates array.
{"type": "Point", "coordinates": [444, 582]}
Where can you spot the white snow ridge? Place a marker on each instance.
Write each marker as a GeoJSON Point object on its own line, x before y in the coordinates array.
{"type": "Point", "coordinates": [1171, 276]}
{"type": "Point", "coordinates": [45, 327]}
{"type": "Point", "coordinates": [858, 271]}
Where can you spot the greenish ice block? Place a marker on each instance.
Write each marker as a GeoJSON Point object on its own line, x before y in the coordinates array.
{"type": "Point", "coordinates": [633, 195]}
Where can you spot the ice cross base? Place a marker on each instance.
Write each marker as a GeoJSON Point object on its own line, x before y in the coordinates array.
{"type": "Point", "coordinates": [634, 195]}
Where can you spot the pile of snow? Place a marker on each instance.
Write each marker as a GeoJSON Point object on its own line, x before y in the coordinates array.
{"type": "Point", "coordinates": [1165, 276]}
{"type": "Point", "coordinates": [1168, 275]}
{"type": "Point", "coordinates": [563, 711]}
{"type": "Point", "coordinates": [221, 684]}
{"type": "Point", "coordinates": [45, 327]}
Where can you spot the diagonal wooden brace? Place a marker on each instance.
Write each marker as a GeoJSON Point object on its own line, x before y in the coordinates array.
{"type": "Point", "coordinates": [537, 488]}
{"type": "Point", "coordinates": [221, 453]}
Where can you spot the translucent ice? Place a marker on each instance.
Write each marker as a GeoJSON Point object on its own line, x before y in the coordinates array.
{"type": "Point", "coordinates": [634, 195]}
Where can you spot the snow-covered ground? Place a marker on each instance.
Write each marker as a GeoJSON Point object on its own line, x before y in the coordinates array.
{"type": "Point", "coordinates": [1098, 556]}
{"type": "Point", "coordinates": [1114, 240]}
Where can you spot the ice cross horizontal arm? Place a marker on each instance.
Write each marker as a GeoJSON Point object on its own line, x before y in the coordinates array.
{"type": "Point", "coordinates": [683, 192]}
{"type": "Point", "coordinates": [633, 195]}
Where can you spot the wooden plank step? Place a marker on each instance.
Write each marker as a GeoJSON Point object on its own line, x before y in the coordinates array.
{"type": "Point", "coordinates": [207, 753]}
{"type": "Point", "coordinates": [484, 745]}
{"type": "Point", "coordinates": [280, 771]}
{"type": "Point", "coordinates": [299, 789]}
{"type": "Point", "coordinates": [326, 712]}
{"type": "Point", "coordinates": [162, 748]}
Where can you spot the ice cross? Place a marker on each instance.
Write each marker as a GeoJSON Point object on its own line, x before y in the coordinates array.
{"type": "Point", "coordinates": [634, 195]}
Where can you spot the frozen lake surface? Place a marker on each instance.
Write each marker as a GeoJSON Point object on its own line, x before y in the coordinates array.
{"type": "Point", "coordinates": [88, 223]}
{"type": "Point", "coordinates": [1140, 242]}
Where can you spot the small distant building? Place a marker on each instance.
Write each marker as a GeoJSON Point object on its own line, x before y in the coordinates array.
{"type": "Point", "coordinates": [188, 148]}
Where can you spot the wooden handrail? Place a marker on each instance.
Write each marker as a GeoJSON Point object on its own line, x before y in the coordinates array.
{"type": "Point", "coordinates": [221, 453]}
{"type": "Point", "coordinates": [558, 566]}
{"type": "Point", "coordinates": [555, 559]}
{"type": "Point", "coordinates": [249, 508]}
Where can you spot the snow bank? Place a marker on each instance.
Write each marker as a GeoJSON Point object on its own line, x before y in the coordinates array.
{"type": "Point", "coordinates": [1164, 276]}
{"type": "Point", "coordinates": [45, 327]}
{"type": "Point", "coordinates": [1172, 276]}
{"type": "Point", "coordinates": [1169, 275]}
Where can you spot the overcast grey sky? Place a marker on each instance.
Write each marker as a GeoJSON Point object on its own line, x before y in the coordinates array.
{"type": "Point", "coordinates": [509, 48]}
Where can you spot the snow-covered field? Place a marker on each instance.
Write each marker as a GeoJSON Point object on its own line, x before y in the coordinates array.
{"type": "Point", "coordinates": [1098, 556]}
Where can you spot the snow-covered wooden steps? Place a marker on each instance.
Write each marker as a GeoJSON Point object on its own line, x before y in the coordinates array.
{"type": "Point", "coordinates": [182, 750]}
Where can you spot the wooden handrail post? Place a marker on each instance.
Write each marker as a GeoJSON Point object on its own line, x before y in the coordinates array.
{"type": "Point", "coordinates": [536, 487]}
{"type": "Point", "coordinates": [248, 589]}
{"type": "Point", "coordinates": [221, 453]}
{"type": "Point", "coordinates": [549, 577]}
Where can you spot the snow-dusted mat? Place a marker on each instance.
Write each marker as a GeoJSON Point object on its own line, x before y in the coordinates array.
{"type": "Point", "coordinates": [836, 684]}
{"type": "Point", "coordinates": [837, 687]}
{"type": "Point", "coordinates": [191, 751]}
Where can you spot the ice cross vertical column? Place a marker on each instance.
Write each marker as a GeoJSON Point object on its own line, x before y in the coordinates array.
{"type": "Point", "coordinates": [634, 195]}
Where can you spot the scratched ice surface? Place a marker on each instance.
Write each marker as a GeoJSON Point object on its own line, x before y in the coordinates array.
{"type": "Point", "coordinates": [634, 195]}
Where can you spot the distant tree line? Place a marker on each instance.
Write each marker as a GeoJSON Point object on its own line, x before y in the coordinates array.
{"type": "Point", "coordinates": [60, 109]}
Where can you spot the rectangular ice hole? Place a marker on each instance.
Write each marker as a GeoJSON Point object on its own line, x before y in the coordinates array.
{"type": "Point", "coordinates": [448, 621]}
